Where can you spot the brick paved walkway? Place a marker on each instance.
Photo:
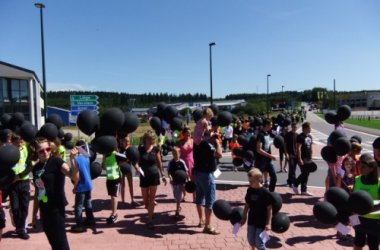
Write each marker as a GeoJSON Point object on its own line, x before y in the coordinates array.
{"type": "Point", "coordinates": [130, 233]}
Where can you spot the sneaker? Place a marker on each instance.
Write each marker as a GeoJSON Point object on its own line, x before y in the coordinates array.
{"type": "Point", "coordinates": [306, 193]}
{"type": "Point", "coordinates": [112, 219]}
{"type": "Point", "coordinates": [295, 190]}
{"type": "Point", "coordinates": [78, 229]}
{"type": "Point", "coordinates": [23, 236]}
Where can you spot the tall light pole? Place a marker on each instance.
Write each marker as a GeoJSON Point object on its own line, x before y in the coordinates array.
{"type": "Point", "coordinates": [282, 96]}
{"type": "Point", "coordinates": [210, 46]}
{"type": "Point", "coordinates": [41, 7]}
{"type": "Point", "coordinates": [268, 95]}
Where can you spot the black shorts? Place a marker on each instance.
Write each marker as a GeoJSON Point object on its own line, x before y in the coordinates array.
{"type": "Point", "coordinates": [150, 180]}
{"type": "Point", "coordinates": [113, 187]}
{"type": "Point", "coordinates": [2, 218]}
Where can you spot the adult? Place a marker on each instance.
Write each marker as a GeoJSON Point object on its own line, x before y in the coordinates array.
{"type": "Point", "coordinates": [205, 156]}
{"type": "Point", "coordinates": [123, 145]}
{"type": "Point", "coordinates": [368, 181]}
{"type": "Point", "coordinates": [304, 154]}
{"type": "Point", "coordinates": [49, 175]}
{"type": "Point", "coordinates": [283, 162]}
{"type": "Point", "coordinates": [264, 155]}
{"type": "Point", "coordinates": [19, 190]}
{"type": "Point", "coordinates": [291, 153]}
{"type": "Point", "coordinates": [186, 146]}
{"type": "Point", "coordinates": [151, 165]}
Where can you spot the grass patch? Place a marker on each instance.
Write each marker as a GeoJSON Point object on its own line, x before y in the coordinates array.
{"type": "Point", "coordinates": [373, 123]}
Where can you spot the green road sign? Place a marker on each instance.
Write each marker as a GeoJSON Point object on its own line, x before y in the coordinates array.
{"type": "Point", "coordinates": [84, 103]}
{"type": "Point", "coordinates": [82, 98]}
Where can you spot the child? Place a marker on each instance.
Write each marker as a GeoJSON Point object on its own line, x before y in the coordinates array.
{"type": "Point", "coordinates": [202, 125]}
{"type": "Point", "coordinates": [177, 164]}
{"type": "Point", "coordinates": [82, 189]}
{"type": "Point", "coordinates": [113, 182]}
{"type": "Point", "coordinates": [348, 180]}
{"type": "Point", "coordinates": [259, 209]}
{"type": "Point", "coordinates": [234, 144]}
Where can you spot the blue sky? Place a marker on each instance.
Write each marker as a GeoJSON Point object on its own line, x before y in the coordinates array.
{"type": "Point", "coordinates": [141, 46]}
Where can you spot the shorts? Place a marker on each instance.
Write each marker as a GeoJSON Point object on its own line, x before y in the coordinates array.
{"type": "Point", "coordinates": [2, 218]}
{"type": "Point", "coordinates": [177, 192]}
{"type": "Point", "coordinates": [362, 237]}
{"type": "Point", "coordinates": [113, 187]}
{"type": "Point", "coordinates": [206, 189]}
{"type": "Point", "coordinates": [149, 180]}
{"type": "Point", "coordinates": [253, 236]}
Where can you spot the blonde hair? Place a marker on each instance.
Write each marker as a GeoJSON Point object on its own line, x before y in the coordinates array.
{"type": "Point", "coordinates": [149, 134]}
{"type": "Point", "coordinates": [255, 173]}
{"type": "Point", "coordinates": [208, 111]}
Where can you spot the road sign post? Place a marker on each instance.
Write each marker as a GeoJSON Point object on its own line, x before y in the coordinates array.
{"type": "Point", "coordinates": [80, 103]}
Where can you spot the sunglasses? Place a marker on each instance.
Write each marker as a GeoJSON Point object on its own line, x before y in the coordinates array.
{"type": "Point", "coordinates": [44, 150]}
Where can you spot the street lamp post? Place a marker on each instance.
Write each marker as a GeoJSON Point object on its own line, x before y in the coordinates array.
{"type": "Point", "coordinates": [268, 95]}
{"type": "Point", "coordinates": [210, 46]}
{"type": "Point", "coordinates": [41, 7]}
{"type": "Point", "coordinates": [282, 96]}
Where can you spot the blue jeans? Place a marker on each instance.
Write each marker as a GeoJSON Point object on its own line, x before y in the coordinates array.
{"type": "Point", "coordinates": [253, 235]}
{"type": "Point", "coordinates": [206, 189]}
{"type": "Point", "coordinates": [83, 199]}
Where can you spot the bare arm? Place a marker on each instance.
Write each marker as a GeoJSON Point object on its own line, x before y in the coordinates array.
{"type": "Point", "coordinates": [160, 166]}
{"type": "Point", "coordinates": [71, 172]}
{"type": "Point", "coordinates": [269, 218]}
{"type": "Point", "coordinates": [245, 214]}
{"type": "Point", "coordinates": [259, 150]}
{"type": "Point", "coordinates": [300, 161]}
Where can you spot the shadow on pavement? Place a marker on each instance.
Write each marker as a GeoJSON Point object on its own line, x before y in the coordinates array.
{"type": "Point", "coordinates": [274, 242]}
{"type": "Point", "coordinates": [307, 221]}
{"type": "Point", "coordinates": [307, 239]}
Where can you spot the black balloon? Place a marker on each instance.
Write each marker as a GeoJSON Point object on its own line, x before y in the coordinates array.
{"type": "Point", "coordinates": [335, 135]}
{"type": "Point", "coordinates": [112, 120]}
{"type": "Point", "coordinates": [279, 142]}
{"type": "Point", "coordinates": [16, 120]}
{"type": "Point", "coordinates": [92, 153]}
{"type": "Point", "coordinates": [28, 131]}
{"type": "Point", "coordinates": [49, 131]}
{"type": "Point", "coordinates": [325, 212]}
{"type": "Point", "coordinates": [280, 223]}
{"type": "Point", "coordinates": [125, 168]}
{"type": "Point", "coordinates": [239, 152]}
{"type": "Point", "coordinates": [360, 202]}
{"type": "Point", "coordinates": [161, 110]}
{"type": "Point", "coordinates": [105, 144]}
{"type": "Point", "coordinates": [88, 122]}
{"type": "Point", "coordinates": [190, 186]}
{"type": "Point", "coordinates": [276, 202]}
{"type": "Point", "coordinates": [224, 118]}
{"type": "Point", "coordinates": [176, 123]}
{"type": "Point", "coordinates": [356, 138]}
{"type": "Point", "coordinates": [342, 146]}
{"type": "Point", "coordinates": [69, 145]}
{"type": "Point", "coordinates": [133, 154]}
{"type": "Point", "coordinates": [170, 113]}
{"type": "Point", "coordinates": [131, 123]}
{"type": "Point", "coordinates": [61, 133]}
{"type": "Point", "coordinates": [5, 118]}
{"type": "Point", "coordinates": [236, 215]}
{"type": "Point", "coordinates": [155, 123]}
{"type": "Point", "coordinates": [310, 166]}
{"type": "Point", "coordinates": [328, 154]}
{"type": "Point", "coordinates": [343, 217]}
{"type": "Point", "coordinates": [237, 161]}
{"type": "Point", "coordinates": [331, 117]}
{"type": "Point", "coordinates": [9, 156]}
{"type": "Point", "coordinates": [214, 108]}
{"type": "Point", "coordinates": [197, 114]}
{"type": "Point", "coordinates": [338, 197]}
{"type": "Point", "coordinates": [56, 120]}
{"type": "Point", "coordinates": [95, 169]}
{"type": "Point", "coordinates": [243, 140]}
{"type": "Point", "coordinates": [222, 209]}
{"type": "Point", "coordinates": [287, 121]}
{"type": "Point", "coordinates": [249, 155]}
{"type": "Point", "coordinates": [7, 177]}
{"type": "Point", "coordinates": [214, 121]}
{"type": "Point", "coordinates": [343, 112]}
{"type": "Point", "coordinates": [68, 136]}
{"type": "Point", "coordinates": [179, 177]}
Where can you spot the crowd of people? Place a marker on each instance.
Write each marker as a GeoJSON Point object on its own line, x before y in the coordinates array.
{"type": "Point", "coordinates": [196, 154]}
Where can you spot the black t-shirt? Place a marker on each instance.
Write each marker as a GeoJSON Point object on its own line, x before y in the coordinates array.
{"type": "Point", "coordinates": [264, 138]}
{"type": "Point", "coordinates": [204, 159]}
{"type": "Point", "coordinates": [291, 143]}
{"type": "Point", "coordinates": [306, 141]}
{"type": "Point", "coordinates": [54, 181]}
{"type": "Point", "coordinates": [148, 160]}
{"type": "Point", "coordinates": [258, 201]}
